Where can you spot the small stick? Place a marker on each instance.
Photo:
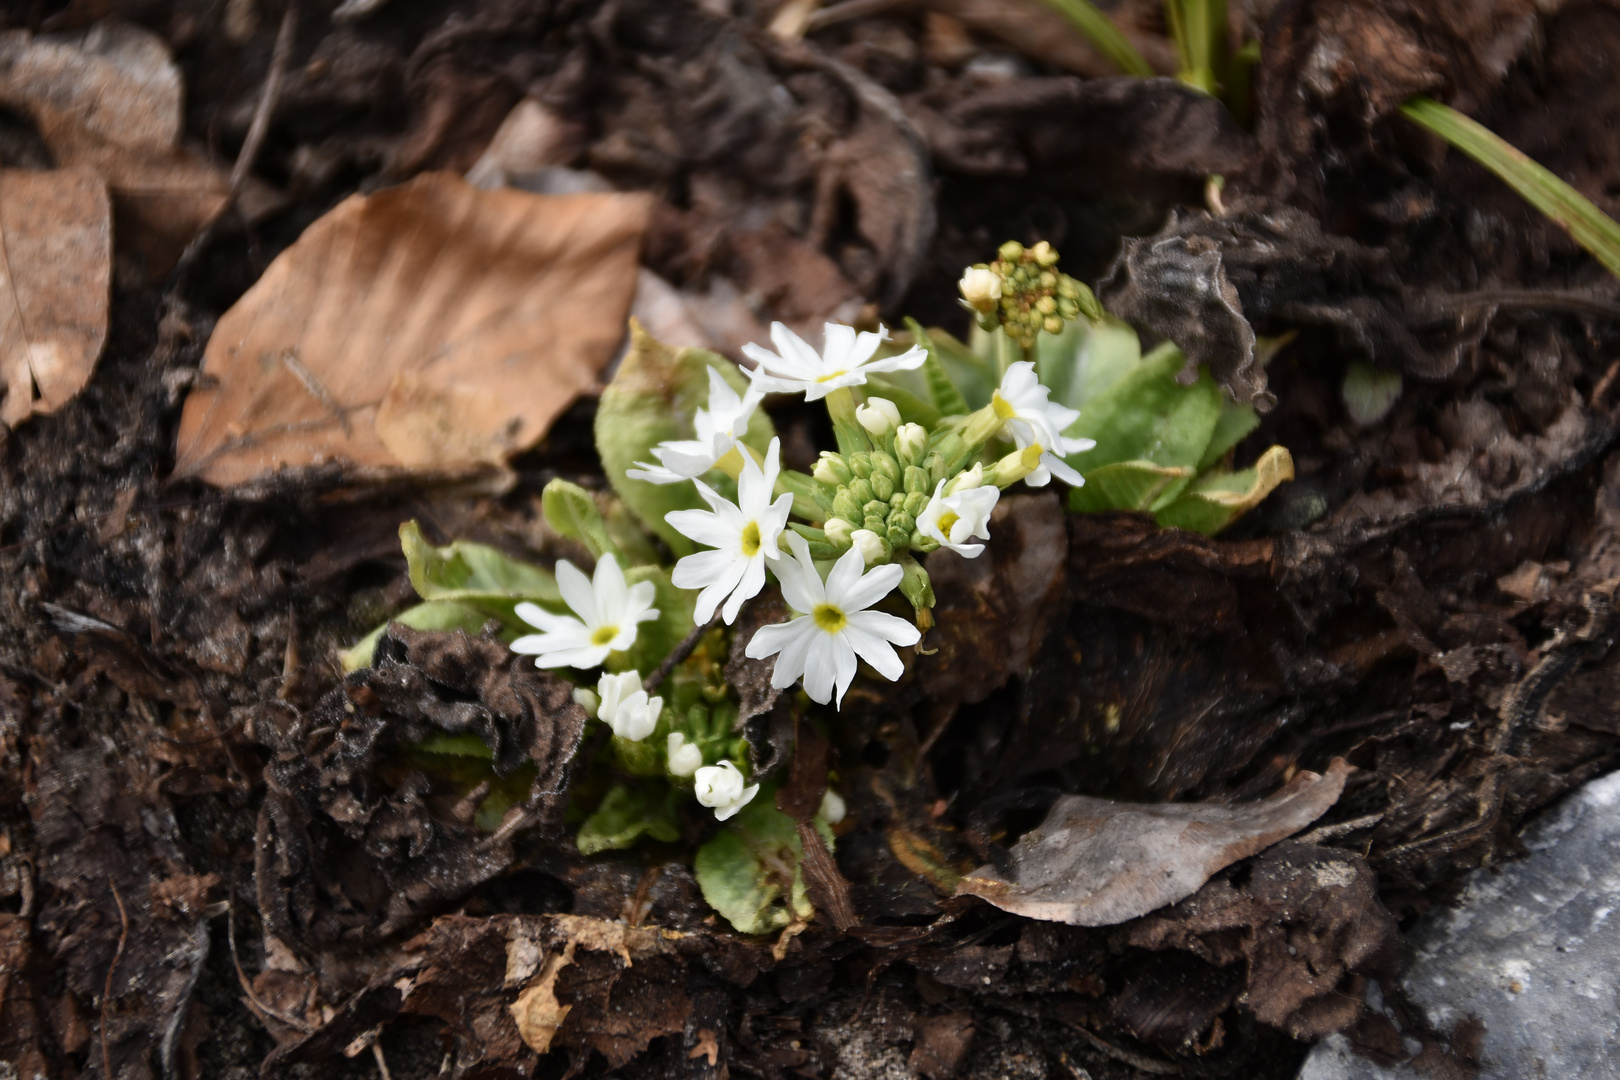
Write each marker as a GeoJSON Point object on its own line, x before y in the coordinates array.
{"type": "Point", "coordinates": [260, 123]}
{"type": "Point", "coordinates": [106, 992]}
{"type": "Point", "coordinates": [681, 652]}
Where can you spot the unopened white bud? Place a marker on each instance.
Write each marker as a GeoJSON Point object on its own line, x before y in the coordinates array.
{"type": "Point", "coordinates": [870, 545]}
{"type": "Point", "coordinates": [911, 442]}
{"type": "Point", "coordinates": [878, 416]}
{"type": "Point", "coordinates": [981, 288]}
{"type": "Point", "coordinates": [824, 472]}
{"type": "Point", "coordinates": [586, 699]}
{"type": "Point", "coordinates": [611, 690]}
{"type": "Point", "coordinates": [966, 480]}
{"type": "Point", "coordinates": [838, 531]}
{"type": "Point", "coordinates": [832, 807]}
{"type": "Point", "coordinates": [684, 757]}
{"type": "Point", "coordinates": [721, 787]}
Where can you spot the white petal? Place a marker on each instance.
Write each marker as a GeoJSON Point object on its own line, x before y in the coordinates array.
{"type": "Point", "coordinates": [748, 585]}
{"type": "Point", "coordinates": [845, 574]}
{"type": "Point", "coordinates": [802, 587]}
{"type": "Point", "coordinates": [611, 593]}
{"type": "Point", "coordinates": [700, 570]}
{"type": "Point", "coordinates": [879, 582]}
{"type": "Point", "coordinates": [914, 357]}
{"type": "Point", "coordinates": [886, 626]}
{"type": "Point", "coordinates": [874, 650]}
{"type": "Point", "coordinates": [843, 658]}
{"type": "Point", "coordinates": [1062, 470]}
{"type": "Point", "coordinates": [704, 527]}
{"type": "Point", "coordinates": [654, 474]}
{"type": "Point", "coordinates": [638, 600]}
{"type": "Point", "coordinates": [535, 615]}
{"type": "Point", "coordinates": [821, 666]}
{"type": "Point", "coordinates": [577, 592]}
{"type": "Point", "coordinates": [588, 656]}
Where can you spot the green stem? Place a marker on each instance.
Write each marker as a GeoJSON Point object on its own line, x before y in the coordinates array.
{"type": "Point", "coordinates": [1592, 228]}
{"type": "Point", "coordinates": [841, 408]}
{"type": "Point", "coordinates": [1086, 17]}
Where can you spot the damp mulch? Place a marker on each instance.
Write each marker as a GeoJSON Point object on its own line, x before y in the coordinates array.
{"type": "Point", "coordinates": [213, 863]}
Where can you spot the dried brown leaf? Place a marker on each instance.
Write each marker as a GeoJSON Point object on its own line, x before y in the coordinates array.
{"type": "Point", "coordinates": [1096, 863]}
{"type": "Point", "coordinates": [109, 100]}
{"type": "Point", "coordinates": [55, 276]}
{"type": "Point", "coordinates": [430, 326]}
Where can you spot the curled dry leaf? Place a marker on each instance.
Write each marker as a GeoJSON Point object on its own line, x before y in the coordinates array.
{"type": "Point", "coordinates": [109, 100]}
{"type": "Point", "coordinates": [1096, 863]}
{"type": "Point", "coordinates": [55, 273]}
{"type": "Point", "coordinates": [431, 326]}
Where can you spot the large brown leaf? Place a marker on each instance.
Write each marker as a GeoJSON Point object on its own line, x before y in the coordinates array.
{"type": "Point", "coordinates": [430, 326]}
{"type": "Point", "coordinates": [1096, 863]}
{"type": "Point", "coordinates": [55, 272]}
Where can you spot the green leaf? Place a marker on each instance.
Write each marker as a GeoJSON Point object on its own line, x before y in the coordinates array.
{"type": "Point", "coordinates": [627, 814]}
{"type": "Point", "coordinates": [973, 375]}
{"type": "Point", "coordinates": [1086, 359]}
{"type": "Point", "coordinates": [749, 871]}
{"type": "Point", "coordinates": [946, 397]}
{"type": "Point", "coordinates": [626, 532]}
{"type": "Point", "coordinates": [913, 409]}
{"type": "Point", "coordinates": [1148, 416]}
{"type": "Point", "coordinates": [652, 399]}
{"type": "Point", "coordinates": [1215, 500]}
{"type": "Point", "coordinates": [1369, 392]}
{"type": "Point", "coordinates": [1592, 228]}
{"type": "Point", "coordinates": [1101, 31]}
{"type": "Point", "coordinates": [1127, 485]}
{"type": "Point", "coordinates": [1231, 426]}
{"type": "Point", "coordinates": [464, 570]}
{"type": "Point", "coordinates": [572, 512]}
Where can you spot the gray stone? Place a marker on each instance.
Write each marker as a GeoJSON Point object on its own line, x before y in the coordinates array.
{"type": "Point", "coordinates": [1532, 950]}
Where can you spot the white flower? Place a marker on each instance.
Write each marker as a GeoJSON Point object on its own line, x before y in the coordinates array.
{"type": "Point", "coordinates": [869, 544]}
{"type": "Point", "coordinates": [625, 706]}
{"type": "Point", "coordinates": [716, 430]}
{"type": "Point", "coordinates": [981, 288]}
{"type": "Point", "coordinates": [835, 627]}
{"type": "Point", "coordinates": [609, 612]}
{"type": "Point", "coordinates": [846, 360]}
{"type": "Point", "coordinates": [878, 416]}
{"type": "Point", "coordinates": [743, 535]}
{"type": "Point", "coordinates": [838, 531]}
{"type": "Point", "coordinates": [910, 440]}
{"type": "Point", "coordinates": [954, 519]}
{"type": "Point", "coordinates": [832, 807]}
{"type": "Point", "coordinates": [721, 787]}
{"type": "Point", "coordinates": [966, 480]}
{"type": "Point", "coordinates": [684, 758]}
{"type": "Point", "coordinates": [1021, 403]}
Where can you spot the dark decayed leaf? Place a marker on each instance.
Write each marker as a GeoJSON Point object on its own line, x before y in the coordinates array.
{"type": "Point", "coordinates": [1094, 863]}
{"type": "Point", "coordinates": [1176, 287]}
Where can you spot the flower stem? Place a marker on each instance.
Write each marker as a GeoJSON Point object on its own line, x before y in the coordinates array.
{"type": "Point", "coordinates": [841, 408]}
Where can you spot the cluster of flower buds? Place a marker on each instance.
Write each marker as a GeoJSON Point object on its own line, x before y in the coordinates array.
{"type": "Point", "coordinates": [1023, 292]}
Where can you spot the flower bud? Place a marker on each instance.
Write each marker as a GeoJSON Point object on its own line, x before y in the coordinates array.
{"type": "Point", "coordinates": [837, 530]}
{"type": "Point", "coordinates": [897, 500]}
{"type": "Point", "coordinates": [883, 463]}
{"type": "Point", "coordinates": [903, 521]}
{"type": "Point", "coordinates": [881, 509]}
{"type": "Point", "coordinates": [721, 787]}
{"type": "Point", "coordinates": [832, 807]}
{"type": "Point", "coordinates": [870, 545]}
{"type": "Point", "coordinates": [874, 523]}
{"type": "Point", "coordinates": [916, 480]}
{"type": "Point", "coordinates": [952, 448]}
{"type": "Point", "coordinates": [1044, 254]}
{"type": "Point", "coordinates": [1046, 305]}
{"type": "Point", "coordinates": [846, 506]}
{"type": "Point", "coordinates": [911, 442]}
{"type": "Point", "coordinates": [980, 287]}
{"type": "Point", "coordinates": [922, 543]}
{"type": "Point", "coordinates": [1052, 325]}
{"type": "Point", "coordinates": [914, 584]}
{"type": "Point", "coordinates": [860, 463]}
{"type": "Point", "coordinates": [966, 480]}
{"type": "Point", "coordinates": [831, 470]}
{"type": "Point", "coordinates": [1012, 251]}
{"type": "Point", "coordinates": [915, 503]}
{"type": "Point", "coordinates": [897, 536]}
{"type": "Point", "coordinates": [882, 486]}
{"type": "Point", "coordinates": [587, 700]}
{"type": "Point", "coordinates": [937, 469]}
{"type": "Point", "coordinates": [879, 416]}
{"type": "Point", "coordinates": [684, 757]}
{"type": "Point", "coordinates": [861, 490]}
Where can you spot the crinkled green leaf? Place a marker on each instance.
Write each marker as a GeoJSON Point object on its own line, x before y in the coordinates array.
{"type": "Point", "coordinates": [1216, 499]}
{"type": "Point", "coordinates": [1370, 392]}
{"type": "Point", "coordinates": [744, 870]}
{"type": "Point", "coordinates": [464, 570]}
{"type": "Point", "coordinates": [653, 398]}
{"type": "Point", "coordinates": [658, 638]}
{"type": "Point", "coordinates": [1127, 485]}
{"type": "Point", "coordinates": [1148, 416]}
{"type": "Point", "coordinates": [1236, 421]}
{"type": "Point", "coordinates": [626, 532]}
{"type": "Point", "coordinates": [572, 512]}
{"type": "Point", "coordinates": [627, 814]}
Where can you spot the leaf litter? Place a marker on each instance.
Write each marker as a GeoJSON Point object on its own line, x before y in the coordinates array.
{"type": "Point", "coordinates": [194, 641]}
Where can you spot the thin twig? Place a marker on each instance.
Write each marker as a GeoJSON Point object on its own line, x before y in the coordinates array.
{"type": "Point", "coordinates": [241, 976]}
{"type": "Point", "coordinates": [382, 1062]}
{"type": "Point", "coordinates": [267, 99]}
{"type": "Point", "coordinates": [1341, 828]}
{"type": "Point", "coordinates": [681, 652]}
{"type": "Point", "coordinates": [849, 9]}
{"type": "Point", "coordinates": [106, 992]}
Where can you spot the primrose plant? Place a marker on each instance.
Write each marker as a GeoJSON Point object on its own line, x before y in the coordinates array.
{"type": "Point", "coordinates": [929, 432]}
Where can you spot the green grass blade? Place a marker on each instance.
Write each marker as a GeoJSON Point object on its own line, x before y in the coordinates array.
{"type": "Point", "coordinates": [1100, 29]}
{"type": "Point", "coordinates": [1592, 228]}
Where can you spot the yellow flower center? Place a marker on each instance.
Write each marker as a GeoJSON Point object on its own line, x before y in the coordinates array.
{"type": "Point", "coordinates": [604, 635]}
{"type": "Point", "coordinates": [829, 618]}
{"type": "Point", "coordinates": [1002, 406]}
{"type": "Point", "coordinates": [831, 376]}
{"type": "Point", "coordinates": [750, 539]}
{"type": "Point", "coordinates": [946, 521]}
